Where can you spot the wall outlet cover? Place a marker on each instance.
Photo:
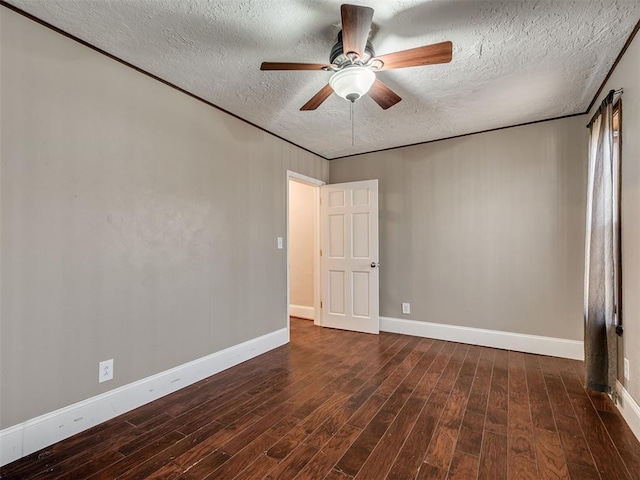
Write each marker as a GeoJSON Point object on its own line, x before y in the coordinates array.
{"type": "Point", "coordinates": [406, 308]}
{"type": "Point", "coordinates": [105, 370]}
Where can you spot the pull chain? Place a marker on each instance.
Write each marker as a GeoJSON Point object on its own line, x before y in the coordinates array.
{"type": "Point", "coordinates": [352, 127]}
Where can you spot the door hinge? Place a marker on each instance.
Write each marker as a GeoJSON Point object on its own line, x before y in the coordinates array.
{"type": "Point", "coordinates": [320, 304]}
{"type": "Point", "coordinates": [320, 252]}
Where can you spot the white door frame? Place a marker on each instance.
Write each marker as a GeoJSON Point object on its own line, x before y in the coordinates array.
{"type": "Point", "coordinates": [317, 283]}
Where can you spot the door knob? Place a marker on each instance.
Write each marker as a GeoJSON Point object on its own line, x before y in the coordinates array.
{"type": "Point", "coordinates": [375, 264]}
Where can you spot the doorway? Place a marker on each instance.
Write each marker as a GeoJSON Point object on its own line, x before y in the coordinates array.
{"type": "Point", "coordinates": [337, 224]}
{"type": "Point", "coordinates": [303, 247]}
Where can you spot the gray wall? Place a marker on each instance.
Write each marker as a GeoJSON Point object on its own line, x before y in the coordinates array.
{"type": "Point", "coordinates": [627, 76]}
{"type": "Point", "coordinates": [484, 231]}
{"type": "Point", "coordinates": [136, 223]}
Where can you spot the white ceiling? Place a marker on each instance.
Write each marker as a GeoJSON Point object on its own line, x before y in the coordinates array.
{"type": "Point", "coordinates": [514, 61]}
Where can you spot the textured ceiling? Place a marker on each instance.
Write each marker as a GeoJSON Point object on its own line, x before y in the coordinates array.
{"type": "Point", "coordinates": [514, 61]}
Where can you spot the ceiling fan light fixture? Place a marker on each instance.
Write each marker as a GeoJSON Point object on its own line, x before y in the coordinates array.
{"type": "Point", "coordinates": [352, 82]}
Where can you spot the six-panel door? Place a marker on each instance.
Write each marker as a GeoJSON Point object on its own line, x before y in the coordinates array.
{"type": "Point", "coordinates": [349, 262]}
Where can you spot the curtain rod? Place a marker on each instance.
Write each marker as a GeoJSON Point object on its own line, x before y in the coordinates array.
{"type": "Point", "coordinates": [609, 98]}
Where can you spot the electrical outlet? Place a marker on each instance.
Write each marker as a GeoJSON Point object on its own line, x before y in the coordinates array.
{"type": "Point", "coordinates": [280, 243]}
{"type": "Point", "coordinates": [105, 371]}
{"type": "Point", "coordinates": [406, 308]}
{"type": "Point", "coordinates": [626, 369]}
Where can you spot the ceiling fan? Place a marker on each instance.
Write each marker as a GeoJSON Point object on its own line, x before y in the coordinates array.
{"type": "Point", "coordinates": [354, 62]}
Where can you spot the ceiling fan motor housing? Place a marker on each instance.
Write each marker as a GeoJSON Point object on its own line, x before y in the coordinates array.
{"type": "Point", "coordinates": [337, 56]}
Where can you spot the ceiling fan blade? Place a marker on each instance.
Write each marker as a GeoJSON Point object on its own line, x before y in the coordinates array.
{"type": "Point", "coordinates": [356, 23]}
{"type": "Point", "coordinates": [383, 95]}
{"type": "Point", "coordinates": [415, 57]}
{"type": "Point", "coordinates": [318, 98]}
{"type": "Point", "coordinates": [291, 66]}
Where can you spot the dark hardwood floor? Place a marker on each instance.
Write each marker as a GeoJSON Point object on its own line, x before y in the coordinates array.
{"type": "Point", "coordinates": [340, 405]}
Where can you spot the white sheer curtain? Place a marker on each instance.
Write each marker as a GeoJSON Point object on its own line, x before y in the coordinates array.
{"type": "Point", "coordinates": [600, 339]}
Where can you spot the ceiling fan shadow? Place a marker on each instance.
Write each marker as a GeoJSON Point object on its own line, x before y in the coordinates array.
{"type": "Point", "coordinates": [437, 17]}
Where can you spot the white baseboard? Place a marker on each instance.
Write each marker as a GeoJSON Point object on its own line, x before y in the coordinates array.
{"type": "Point", "coordinates": [301, 311]}
{"type": "Point", "coordinates": [629, 409]}
{"type": "Point", "coordinates": [40, 432]}
{"type": "Point", "coordinates": [555, 347]}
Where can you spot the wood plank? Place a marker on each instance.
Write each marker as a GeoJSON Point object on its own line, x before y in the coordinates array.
{"type": "Point", "coordinates": [521, 461]}
{"type": "Point", "coordinates": [246, 436]}
{"type": "Point", "coordinates": [367, 411]}
{"type": "Point", "coordinates": [357, 454]}
{"type": "Point", "coordinates": [150, 420]}
{"type": "Point", "coordinates": [289, 467]}
{"type": "Point", "coordinates": [463, 466]}
{"type": "Point", "coordinates": [580, 472]}
{"type": "Point", "coordinates": [393, 381]}
{"type": "Point", "coordinates": [481, 384]}
{"type": "Point", "coordinates": [413, 451]}
{"type": "Point", "coordinates": [493, 458]}
{"type": "Point", "coordinates": [496, 419]}
{"type": "Point", "coordinates": [336, 475]}
{"type": "Point", "coordinates": [165, 456]}
{"type": "Point", "coordinates": [470, 436]}
{"type": "Point", "coordinates": [549, 455]}
{"type": "Point", "coordinates": [330, 427]}
{"type": "Point", "coordinates": [451, 371]}
{"type": "Point", "coordinates": [323, 462]}
{"type": "Point", "coordinates": [170, 471]}
{"type": "Point", "coordinates": [71, 471]}
{"type": "Point", "coordinates": [208, 463]}
{"type": "Point", "coordinates": [141, 456]}
{"type": "Point", "coordinates": [548, 365]}
{"type": "Point", "coordinates": [299, 433]}
{"type": "Point", "coordinates": [631, 460]}
{"type": "Point", "coordinates": [601, 401]}
{"type": "Point", "coordinates": [560, 404]}
{"type": "Point", "coordinates": [431, 472]}
{"type": "Point", "coordinates": [382, 457]}
{"type": "Point", "coordinates": [442, 446]}
{"type": "Point", "coordinates": [541, 413]}
{"type": "Point", "coordinates": [624, 440]}
{"type": "Point", "coordinates": [441, 354]}
{"type": "Point", "coordinates": [572, 383]}
{"type": "Point", "coordinates": [236, 463]}
{"type": "Point", "coordinates": [607, 459]}
{"type": "Point", "coordinates": [619, 431]}
{"type": "Point", "coordinates": [258, 469]}
{"type": "Point", "coordinates": [574, 445]}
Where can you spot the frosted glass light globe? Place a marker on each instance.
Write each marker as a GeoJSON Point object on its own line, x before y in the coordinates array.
{"type": "Point", "coordinates": [352, 82]}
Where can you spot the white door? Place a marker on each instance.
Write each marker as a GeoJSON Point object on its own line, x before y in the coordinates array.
{"type": "Point", "coordinates": [349, 262]}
